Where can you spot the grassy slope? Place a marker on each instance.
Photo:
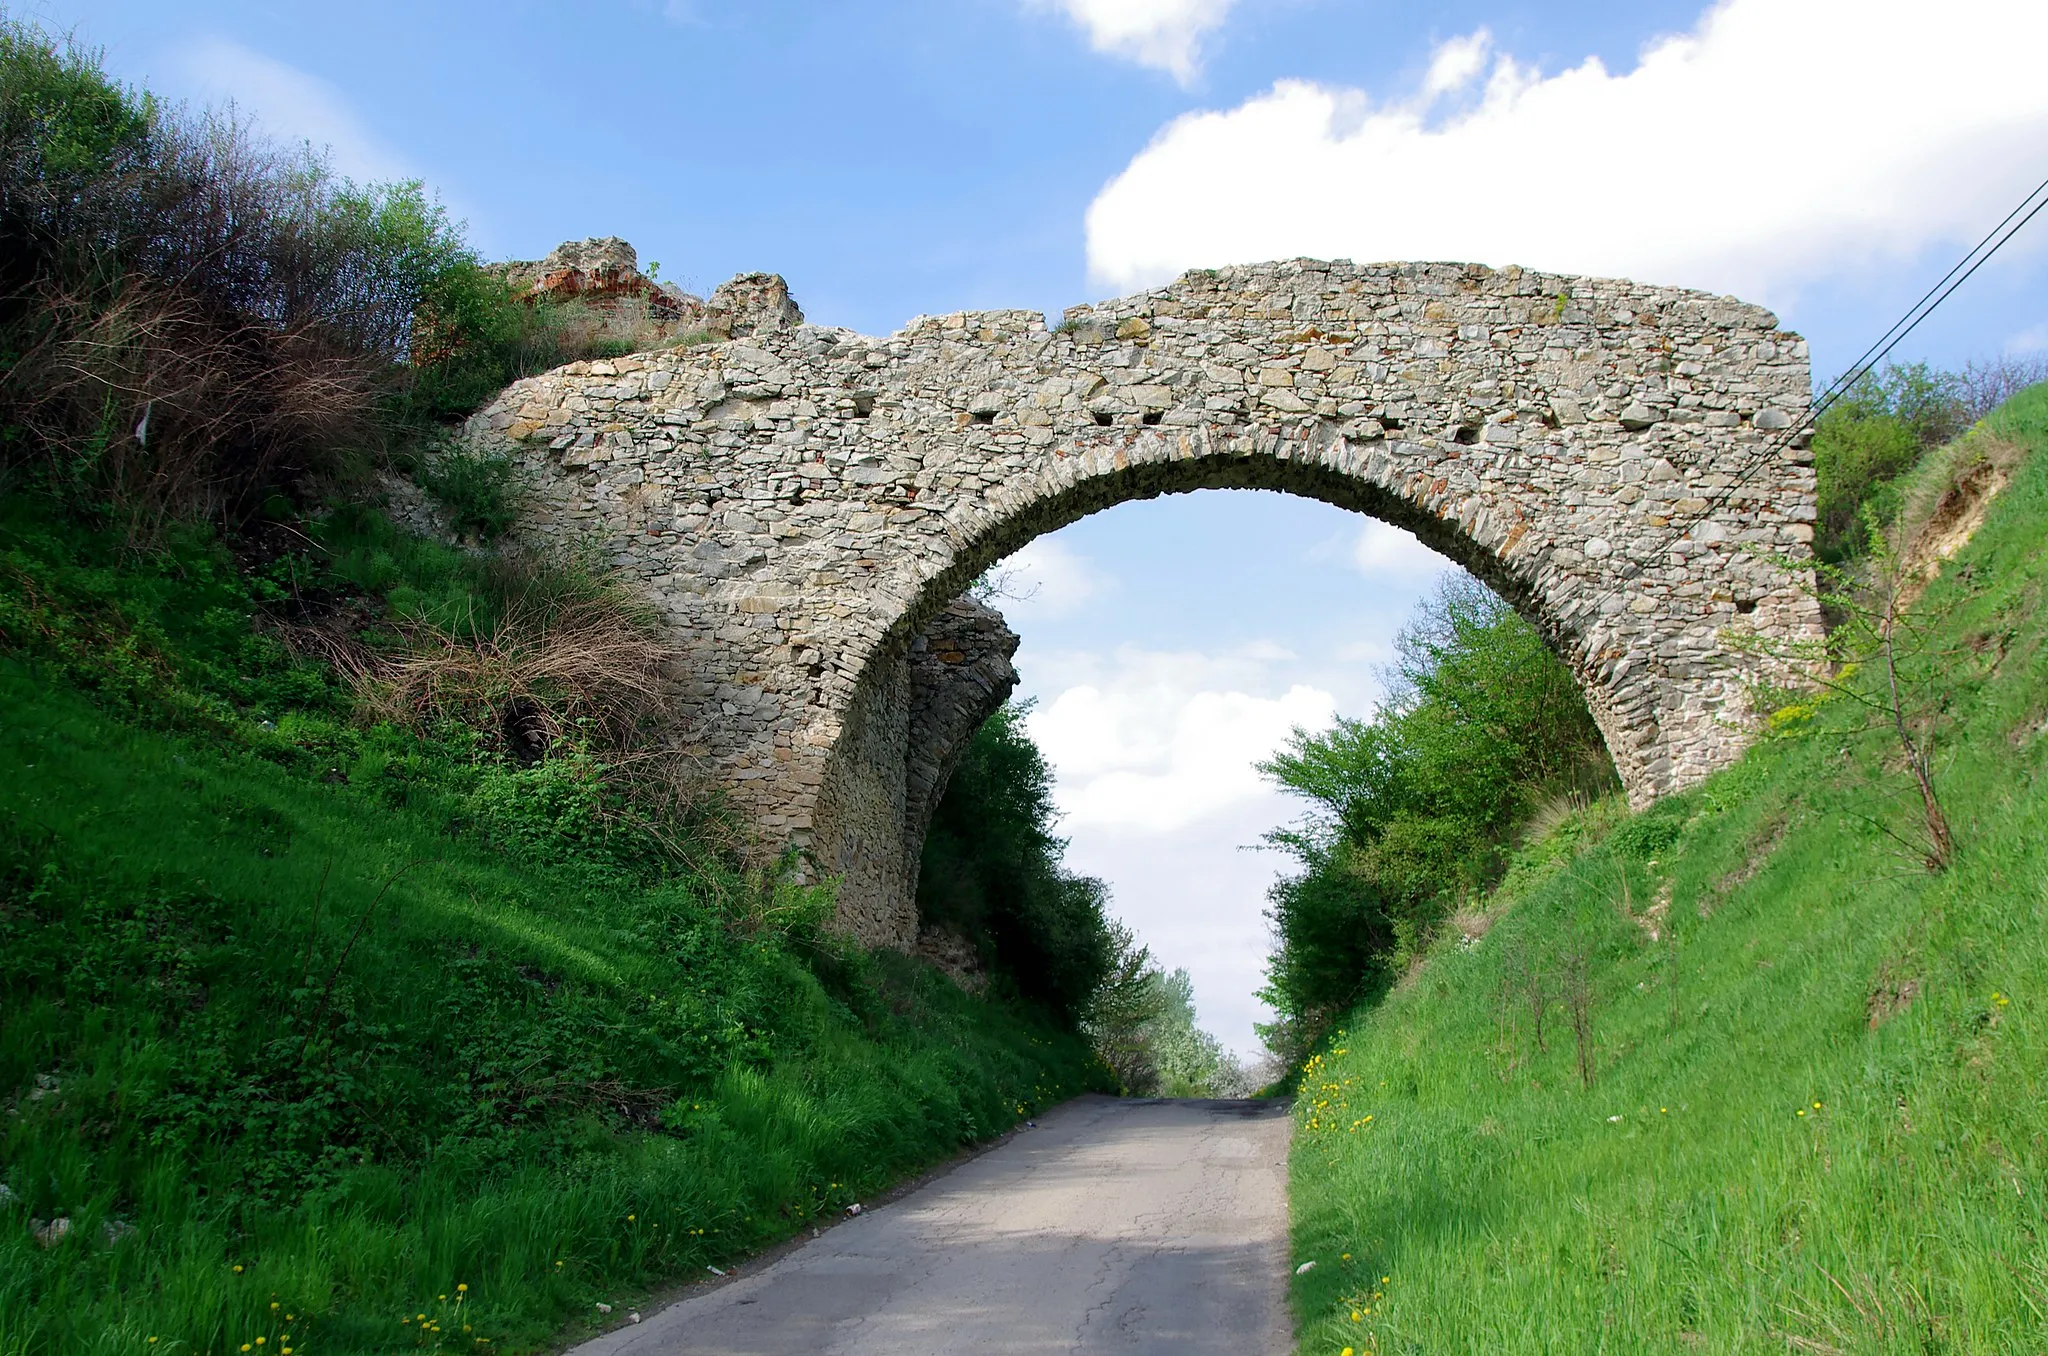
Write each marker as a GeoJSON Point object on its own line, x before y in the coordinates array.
{"type": "Point", "coordinates": [334, 1053]}
{"type": "Point", "coordinates": [1818, 1116]}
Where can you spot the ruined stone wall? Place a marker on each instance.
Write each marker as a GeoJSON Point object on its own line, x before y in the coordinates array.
{"type": "Point", "coordinates": [603, 273]}
{"type": "Point", "coordinates": [803, 503]}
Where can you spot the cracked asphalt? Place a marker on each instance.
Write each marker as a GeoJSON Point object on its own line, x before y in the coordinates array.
{"type": "Point", "coordinates": [1115, 1226]}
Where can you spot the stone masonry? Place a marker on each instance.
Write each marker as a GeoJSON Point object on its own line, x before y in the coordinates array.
{"type": "Point", "coordinates": [806, 504]}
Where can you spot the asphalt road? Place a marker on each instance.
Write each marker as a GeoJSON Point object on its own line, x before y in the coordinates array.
{"type": "Point", "coordinates": [1114, 1226]}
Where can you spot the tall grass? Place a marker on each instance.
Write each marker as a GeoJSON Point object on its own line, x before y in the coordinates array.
{"type": "Point", "coordinates": [1807, 1113]}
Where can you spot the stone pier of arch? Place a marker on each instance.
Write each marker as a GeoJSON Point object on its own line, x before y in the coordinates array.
{"type": "Point", "coordinates": [807, 505]}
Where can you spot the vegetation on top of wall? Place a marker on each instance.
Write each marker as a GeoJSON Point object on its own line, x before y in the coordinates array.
{"type": "Point", "coordinates": [1739, 1073]}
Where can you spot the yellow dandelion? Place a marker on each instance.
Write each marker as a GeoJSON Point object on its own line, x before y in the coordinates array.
{"type": "Point", "coordinates": [274, 1305]}
{"type": "Point", "coordinates": [261, 1340]}
{"type": "Point", "coordinates": [238, 1268]}
{"type": "Point", "coordinates": [1347, 1351]}
{"type": "Point", "coordinates": [1354, 1315]}
{"type": "Point", "coordinates": [460, 1288]}
{"type": "Point", "coordinates": [1816, 1106]}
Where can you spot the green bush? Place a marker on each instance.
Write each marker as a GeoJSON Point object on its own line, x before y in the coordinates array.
{"type": "Point", "coordinates": [477, 333]}
{"type": "Point", "coordinates": [194, 324]}
{"type": "Point", "coordinates": [1869, 438]}
{"type": "Point", "coordinates": [1414, 810]}
{"type": "Point", "coordinates": [481, 491]}
{"type": "Point", "coordinates": [991, 872]}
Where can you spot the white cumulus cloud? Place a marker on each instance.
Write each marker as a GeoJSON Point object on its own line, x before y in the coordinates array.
{"type": "Point", "coordinates": [1165, 34]}
{"type": "Point", "coordinates": [1156, 742]}
{"type": "Point", "coordinates": [1046, 580]}
{"type": "Point", "coordinates": [287, 105]}
{"type": "Point", "coordinates": [1384, 550]}
{"type": "Point", "coordinates": [1777, 143]}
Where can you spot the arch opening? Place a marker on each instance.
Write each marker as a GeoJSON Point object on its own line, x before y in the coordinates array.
{"type": "Point", "coordinates": [942, 666]}
{"type": "Point", "coordinates": [1168, 647]}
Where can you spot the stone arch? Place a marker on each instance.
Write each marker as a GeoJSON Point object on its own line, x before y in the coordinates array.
{"type": "Point", "coordinates": [807, 505]}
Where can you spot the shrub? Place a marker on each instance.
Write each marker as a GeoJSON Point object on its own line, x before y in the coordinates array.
{"type": "Point", "coordinates": [992, 872]}
{"type": "Point", "coordinates": [481, 491]}
{"type": "Point", "coordinates": [1414, 809]}
{"type": "Point", "coordinates": [192, 320]}
{"type": "Point", "coordinates": [1876, 433]}
{"type": "Point", "coordinates": [189, 319]}
{"type": "Point", "coordinates": [478, 331]}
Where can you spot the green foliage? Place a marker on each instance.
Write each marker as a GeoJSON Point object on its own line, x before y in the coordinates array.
{"type": "Point", "coordinates": [63, 124]}
{"type": "Point", "coordinates": [1816, 1069]}
{"type": "Point", "coordinates": [476, 333]}
{"type": "Point", "coordinates": [346, 1015]}
{"type": "Point", "coordinates": [1190, 1061]}
{"type": "Point", "coordinates": [1877, 432]}
{"type": "Point", "coordinates": [193, 323]}
{"type": "Point", "coordinates": [422, 581]}
{"type": "Point", "coordinates": [992, 873]}
{"type": "Point", "coordinates": [1126, 1002]}
{"type": "Point", "coordinates": [1411, 811]}
{"type": "Point", "coordinates": [481, 491]}
{"type": "Point", "coordinates": [164, 638]}
{"type": "Point", "coordinates": [1654, 831]}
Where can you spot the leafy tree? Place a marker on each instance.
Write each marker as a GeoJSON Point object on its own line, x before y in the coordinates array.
{"type": "Point", "coordinates": [1412, 810]}
{"type": "Point", "coordinates": [992, 871]}
{"type": "Point", "coordinates": [1120, 1014]}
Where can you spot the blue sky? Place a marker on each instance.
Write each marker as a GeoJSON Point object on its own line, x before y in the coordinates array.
{"type": "Point", "coordinates": [1825, 157]}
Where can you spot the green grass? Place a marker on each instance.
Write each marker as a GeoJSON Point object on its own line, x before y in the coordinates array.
{"type": "Point", "coordinates": [300, 1018]}
{"type": "Point", "coordinates": [1818, 1117]}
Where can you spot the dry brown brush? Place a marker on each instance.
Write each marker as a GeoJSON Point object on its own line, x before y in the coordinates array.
{"type": "Point", "coordinates": [543, 671]}
{"type": "Point", "coordinates": [141, 401]}
{"type": "Point", "coordinates": [191, 320]}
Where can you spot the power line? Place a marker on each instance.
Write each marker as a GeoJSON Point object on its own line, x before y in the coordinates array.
{"type": "Point", "coordinates": [1996, 239]}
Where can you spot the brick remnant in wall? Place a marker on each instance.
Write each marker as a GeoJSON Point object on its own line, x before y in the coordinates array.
{"type": "Point", "coordinates": [806, 504]}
